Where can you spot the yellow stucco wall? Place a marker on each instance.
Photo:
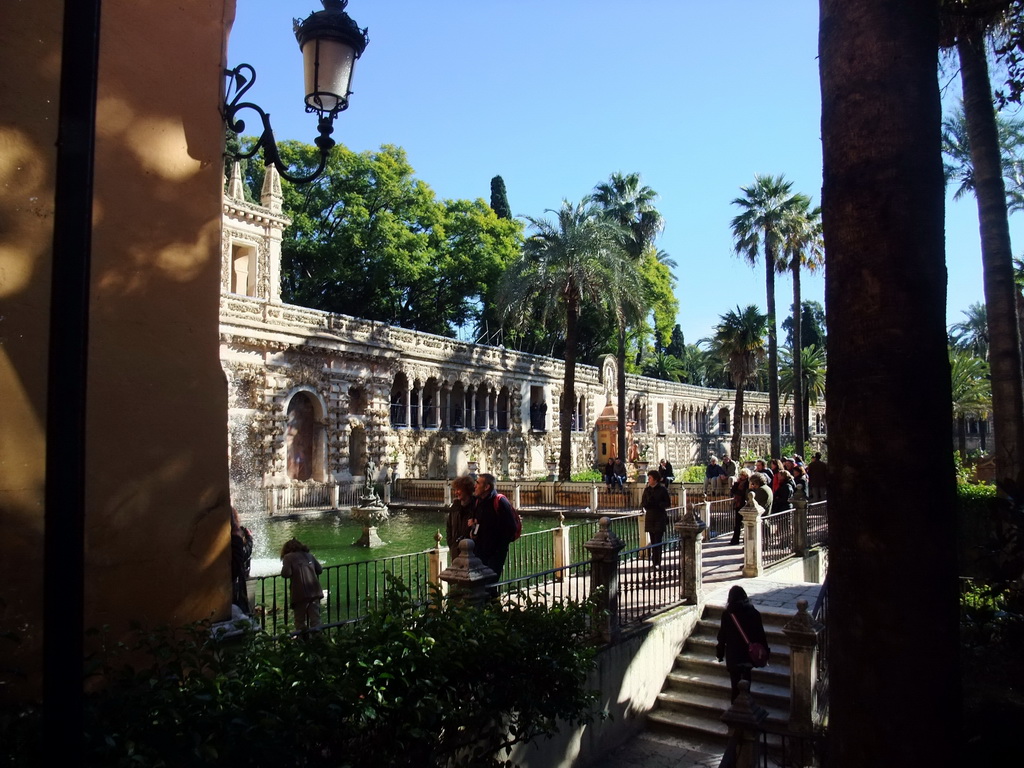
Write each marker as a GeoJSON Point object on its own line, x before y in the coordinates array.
{"type": "Point", "coordinates": [157, 499]}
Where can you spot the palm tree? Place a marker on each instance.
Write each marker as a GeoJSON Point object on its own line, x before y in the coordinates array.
{"type": "Point", "coordinates": [627, 202]}
{"type": "Point", "coordinates": [882, 206]}
{"type": "Point", "coordinates": [957, 166]}
{"type": "Point", "coordinates": [805, 248]}
{"type": "Point", "coordinates": [967, 26]}
{"type": "Point", "coordinates": [971, 333]}
{"type": "Point", "coordinates": [665, 366]}
{"type": "Point", "coordinates": [972, 392]}
{"type": "Point", "coordinates": [760, 232]}
{"type": "Point", "coordinates": [812, 374]}
{"type": "Point", "coordinates": [739, 344]}
{"type": "Point", "coordinates": [564, 266]}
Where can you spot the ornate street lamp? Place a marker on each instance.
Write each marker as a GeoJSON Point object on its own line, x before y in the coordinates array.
{"type": "Point", "coordinates": [330, 42]}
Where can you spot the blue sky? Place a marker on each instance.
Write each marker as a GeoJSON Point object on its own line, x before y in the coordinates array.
{"type": "Point", "coordinates": [554, 96]}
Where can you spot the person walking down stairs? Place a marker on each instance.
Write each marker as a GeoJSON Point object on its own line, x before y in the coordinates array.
{"type": "Point", "coordinates": [740, 617]}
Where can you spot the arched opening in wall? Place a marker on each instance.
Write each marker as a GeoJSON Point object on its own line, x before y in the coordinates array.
{"type": "Point", "coordinates": [481, 406]}
{"type": "Point", "coordinates": [457, 406]}
{"type": "Point", "coordinates": [503, 406]}
{"type": "Point", "coordinates": [661, 418]}
{"type": "Point", "coordinates": [357, 451]}
{"type": "Point", "coordinates": [303, 438]}
{"type": "Point", "coordinates": [357, 401]}
{"type": "Point", "coordinates": [538, 409]}
{"type": "Point", "coordinates": [415, 399]}
{"type": "Point", "coordinates": [243, 269]}
{"type": "Point", "coordinates": [431, 394]}
{"type": "Point", "coordinates": [787, 423]}
{"type": "Point", "coordinates": [579, 417]}
{"type": "Point", "coordinates": [399, 398]}
{"type": "Point", "coordinates": [723, 421]}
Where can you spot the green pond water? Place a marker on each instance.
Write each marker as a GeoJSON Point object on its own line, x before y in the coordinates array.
{"type": "Point", "coordinates": [331, 537]}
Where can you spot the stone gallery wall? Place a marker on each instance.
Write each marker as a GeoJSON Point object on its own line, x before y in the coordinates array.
{"type": "Point", "coordinates": [314, 395]}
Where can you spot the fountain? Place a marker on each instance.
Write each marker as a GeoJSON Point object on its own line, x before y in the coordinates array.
{"type": "Point", "coordinates": [371, 510]}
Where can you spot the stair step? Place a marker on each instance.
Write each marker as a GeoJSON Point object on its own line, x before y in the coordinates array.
{"type": "Point", "coordinates": [699, 671]}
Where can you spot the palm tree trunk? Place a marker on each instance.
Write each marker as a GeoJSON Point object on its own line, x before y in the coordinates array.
{"type": "Point", "coordinates": [568, 390]}
{"type": "Point", "coordinates": [620, 388]}
{"type": "Point", "coordinates": [997, 262]}
{"type": "Point", "coordinates": [882, 215]}
{"type": "Point", "coordinates": [798, 367]}
{"type": "Point", "coordinates": [775, 427]}
{"type": "Point", "coordinates": [737, 423]}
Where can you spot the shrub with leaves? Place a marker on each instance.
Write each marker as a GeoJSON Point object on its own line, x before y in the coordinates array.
{"type": "Point", "coordinates": [443, 685]}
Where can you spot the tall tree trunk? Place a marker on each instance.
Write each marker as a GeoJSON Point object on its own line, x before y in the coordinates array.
{"type": "Point", "coordinates": [798, 366]}
{"type": "Point", "coordinates": [568, 390]}
{"type": "Point", "coordinates": [997, 262]}
{"type": "Point", "coordinates": [737, 423]}
{"type": "Point", "coordinates": [775, 427]}
{"type": "Point", "coordinates": [882, 215]}
{"type": "Point", "coordinates": [620, 387]}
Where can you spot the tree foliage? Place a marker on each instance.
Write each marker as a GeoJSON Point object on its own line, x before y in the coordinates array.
{"type": "Point", "coordinates": [812, 326]}
{"type": "Point", "coordinates": [739, 344]}
{"type": "Point", "coordinates": [499, 199]}
{"type": "Point", "coordinates": [368, 238]}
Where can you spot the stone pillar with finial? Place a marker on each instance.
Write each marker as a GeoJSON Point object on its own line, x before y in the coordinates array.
{"type": "Point", "coordinates": [803, 632]}
{"type": "Point", "coordinates": [744, 719]}
{"type": "Point", "coordinates": [467, 577]}
{"type": "Point", "coordinates": [690, 530]}
{"type": "Point", "coordinates": [604, 550]}
{"type": "Point", "coordinates": [751, 514]}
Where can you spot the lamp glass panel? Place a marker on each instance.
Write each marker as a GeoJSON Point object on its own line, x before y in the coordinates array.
{"type": "Point", "coordinates": [328, 69]}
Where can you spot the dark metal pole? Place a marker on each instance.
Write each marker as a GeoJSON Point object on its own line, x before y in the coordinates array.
{"type": "Point", "coordinates": [64, 538]}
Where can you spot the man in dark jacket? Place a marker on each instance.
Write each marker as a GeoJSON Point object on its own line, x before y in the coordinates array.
{"type": "Point", "coordinates": [496, 525]}
{"type": "Point", "coordinates": [655, 502]}
{"type": "Point", "coordinates": [731, 644]}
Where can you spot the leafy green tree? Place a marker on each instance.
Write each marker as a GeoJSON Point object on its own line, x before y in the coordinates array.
{"type": "Point", "coordinates": [368, 234]}
{"type": "Point", "coordinates": [812, 326]}
{"type": "Point", "coordinates": [677, 343]}
{"type": "Point", "coordinates": [968, 25]}
{"type": "Point", "coordinates": [499, 199]}
{"type": "Point", "coordinates": [804, 249]}
{"type": "Point", "coordinates": [629, 204]}
{"type": "Point", "coordinates": [739, 343]}
{"type": "Point", "coordinates": [760, 231]}
{"type": "Point", "coordinates": [972, 392]}
{"type": "Point", "coordinates": [565, 265]}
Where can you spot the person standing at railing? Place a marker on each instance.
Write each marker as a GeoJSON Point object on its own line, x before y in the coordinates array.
{"type": "Point", "coordinates": [761, 486]}
{"type": "Point", "coordinates": [739, 498]}
{"type": "Point", "coordinates": [655, 503]}
{"type": "Point", "coordinates": [303, 571]}
{"type": "Point", "coordinates": [784, 492]}
{"type": "Point", "coordinates": [494, 525]}
{"type": "Point", "coordinates": [459, 513]}
{"type": "Point", "coordinates": [241, 560]}
{"type": "Point", "coordinates": [817, 479]}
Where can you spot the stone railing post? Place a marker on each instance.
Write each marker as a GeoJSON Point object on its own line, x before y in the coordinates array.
{"type": "Point", "coordinates": [641, 533]}
{"type": "Point", "coordinates": [604, 551]}
{"type": "Point", "coordinates": [515, 496]}
{"type": "Point", "coordinates": [751, 514]}
{"type": "Point", "coordinates": [593, 497]}
{"type": "Point", "coordinates": [387, 493]}
{"type": "Point", "coordinates": [744, 719]}
{"type": "Point", "coordinates": [271, 501]}
{"type": "Point", "coordinates": [690, 530]}
{"type": "Point", "coordinates": [437, 562]}
{"type": "Point", "coordinates": [447, 494]}
{"type": "Point", "coordinates": [682, 496]}
{"type": "Point", "coordinates": [799, 521]}
{"type": "Point", "coordinates": [802, 631]}
{"type": "Point", "coordinates": [467, 577]}
{"type": "Point", "coordinates": [702, 509]}
{"type": "Point", "coordinates": [560, 542]}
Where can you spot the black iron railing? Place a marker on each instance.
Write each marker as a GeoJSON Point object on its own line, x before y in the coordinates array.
{"type": "Point", "coordinates": [776, 537]}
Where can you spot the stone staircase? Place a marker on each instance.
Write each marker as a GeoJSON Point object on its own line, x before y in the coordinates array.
{"type": "Point", "coordinates": [697, 690]}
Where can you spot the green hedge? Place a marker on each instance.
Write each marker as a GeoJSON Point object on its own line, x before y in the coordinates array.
{"type": "Point", "coordinates": [447, 686]}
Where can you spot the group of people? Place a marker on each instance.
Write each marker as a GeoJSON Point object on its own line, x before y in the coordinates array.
{"type": "Point", "coordinates": [774, 484]}
{"type": "Point", "coordinates": [480, 513]}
